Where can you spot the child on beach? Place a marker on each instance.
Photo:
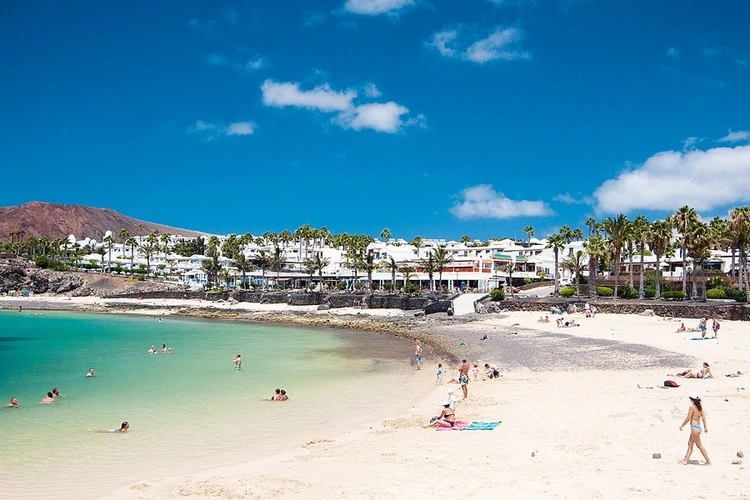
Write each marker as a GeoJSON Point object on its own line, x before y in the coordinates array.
{"type": "Point", "coordinates": [715, 327]}
{"type": "Point", "coordinates": [475, 372]}
{"type": "Point", "coordinates": [439, 374]}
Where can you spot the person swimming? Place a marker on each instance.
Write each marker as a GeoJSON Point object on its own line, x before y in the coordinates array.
{"type": "Point", "coordinates": [13, 403]}
{"type": "Point", "coordinates": [56, 393]}
{"type": "Point", "coordinates": [124, 427]}
{"type": "Point", "coordinates": [48, 399]}
{"type": "Point", "coordinates": [90, 373]}
{"type": "Point", "coordinates": [282, 396]}
{"type": "Point", "coordinates": [237, 360]}
{"type": "Point", "coordinates": [164, 348]}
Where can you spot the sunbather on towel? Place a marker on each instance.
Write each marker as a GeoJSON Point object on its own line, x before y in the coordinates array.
{"type": "Point", "coordinates": [705, 372]}
{"type": "Point", "coordinates": [447, 417]}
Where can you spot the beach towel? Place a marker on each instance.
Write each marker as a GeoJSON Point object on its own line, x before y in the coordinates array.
{"type": "Point", "coordinates": [482, 426]}
{"type": "Point", "coordinates": [702, 338]}
{"type": "Point", "coordinates": [460, 425]}
{"type": "Point", "coordinates": [555, 310]}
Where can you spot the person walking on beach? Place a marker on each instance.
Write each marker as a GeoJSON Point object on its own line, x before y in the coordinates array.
{"type": "Point", "coordinates": [715, 327]}
{"type": "Point", "coordinates": [418, 353]}
{"type": "Point", "coordinates": [694, 417]}
{"type": "Point", "coordinates": [463, 377]}
{"type": "Point", "coordinates": [237, 360]}
{"type": "Point", "coordinates": [439, 374]}
{"type": "Point", "coordinates": [702, 327]}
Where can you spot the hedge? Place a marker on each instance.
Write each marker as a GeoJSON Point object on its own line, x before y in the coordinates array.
{"type": "Point", "coordinates": [568, 291]}
{"type": "Point", "coordinates": [736, 294]}
{"type": "Point", "coordinates": [497, 294]}
{"type": "Point", "coordinates": [649, 293]}
{"type": "Point", "coordinates": [678, 295]}
{"type": "Point", "coordinates": [604, 291]}
{"type": "Point", "coordinates": [716, 293]}
{"type": "Point", "coordinates": [627, 292]}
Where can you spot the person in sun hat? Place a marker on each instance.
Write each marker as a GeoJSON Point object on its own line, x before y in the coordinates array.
{"type": "Point", "coordinates": [694, 417]}
{"type": "Point", "coordinates": [447, 417]}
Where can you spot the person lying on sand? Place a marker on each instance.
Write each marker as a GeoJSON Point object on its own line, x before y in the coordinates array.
{"type": "Point", "coordinates": [703, 373]}
{"type": "Point", "coordinates": [447, 417]}
{"type": "Point", "coordinates": [561, 323]}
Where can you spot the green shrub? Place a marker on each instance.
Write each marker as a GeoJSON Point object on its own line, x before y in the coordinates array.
{"type": "Point", "coordinates": [627, 292]}
{"type": "Point", "coordinates": [341, 285]}
{"type": "Point", "coordinates": [497, 294]}
{"type": "Point", "coordinates": [388, 286]}
{"type": "Point", "coordinates": [676, 295]}
{"type": "Point", "coordinates": [714, 282]}
{"type": "Point", "coordinates": [735, 294]}
{"type": "Point", "coordinates": [649, 293]}
{"type": "Point", "coordinates": [42, 262]}
{"type": "Point", "coordinates": [410, 288]}
{"type": "Point", "coordinates": [568, 291]}
{"type": "Point", "coordinates": [716, 293]}
{"type": "Point", "coordinates": [604, 291]}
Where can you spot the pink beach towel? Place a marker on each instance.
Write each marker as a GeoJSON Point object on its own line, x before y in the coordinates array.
{"type": "Point", "coordinates": [460, 425]}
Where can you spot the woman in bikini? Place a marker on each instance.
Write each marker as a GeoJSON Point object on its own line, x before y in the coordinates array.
{"type": "Point", "coordinates": [447, 417]}
{"type": "Point", "coordinates": [694, 416]}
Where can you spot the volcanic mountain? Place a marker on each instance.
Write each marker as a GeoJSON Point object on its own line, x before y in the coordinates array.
{"type": "Point", "coordinates": [49, 220]}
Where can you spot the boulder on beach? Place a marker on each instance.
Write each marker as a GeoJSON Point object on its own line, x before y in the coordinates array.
{"type": "Point", "coordinates": [648, 312]}
{"type": "Point", "coordinates": [324, 307]}
{"type": "Point", "coordinates": [572, 309]}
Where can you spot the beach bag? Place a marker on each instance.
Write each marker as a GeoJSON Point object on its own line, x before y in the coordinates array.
{"type": "Point", "coordinates": [718, 325]}
{"type": "Point", "coordinates": [671, 383]}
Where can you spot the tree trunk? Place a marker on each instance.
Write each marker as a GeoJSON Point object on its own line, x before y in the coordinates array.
{"type": "Point", "coordinates": [684, 268]}
{"type": "Point", "coordinates": [641, 293]}
{"type": "Point", "coordinates": [657, 294]}
{"type": "Point", "coordinates": [630, 249]}
{"type": "Point", "coordinates": [618, 256]}
{"type": "Point", "coordinates": [557, 282]}
{"type": "Point", "coordinates": [592, 276]}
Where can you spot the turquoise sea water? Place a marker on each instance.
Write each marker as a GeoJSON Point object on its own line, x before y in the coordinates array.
{"type": "Point", "coordinates": [186, 409]}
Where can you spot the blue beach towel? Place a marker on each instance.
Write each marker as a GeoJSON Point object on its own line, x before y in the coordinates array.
{"type": "Point", "coordinates": [482, 426]}
{"type": "Point", "coordinates": [702, 338]}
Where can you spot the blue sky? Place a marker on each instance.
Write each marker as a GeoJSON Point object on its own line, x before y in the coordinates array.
{"type": "Point", "coordinates": [435, 118]}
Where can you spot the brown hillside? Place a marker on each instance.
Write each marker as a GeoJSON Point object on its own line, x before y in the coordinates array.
{"type": "Point", "coordinates": [58, 221]}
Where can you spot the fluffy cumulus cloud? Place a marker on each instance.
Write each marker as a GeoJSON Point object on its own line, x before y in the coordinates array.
{"type": "Point", "coordinates": [704, 179]}
{"type": "Point", "coordinates": [388, 117]}
{"type": "Point", "coordinates": [321, 98]}
{"type": "Point", "coordinates": [210, 131]}
{"type": "Point", "coordinates": [501, 44]}
{"type": "Point", "coordinates": [483, 202]}
{"type": "Point", "coordinates": [376, 7]}
{"type": "Point", "coordinates": [736, 136]}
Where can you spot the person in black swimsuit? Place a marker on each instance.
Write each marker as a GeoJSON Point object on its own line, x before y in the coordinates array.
{"type": "Point", "coordinates": [447, 417]}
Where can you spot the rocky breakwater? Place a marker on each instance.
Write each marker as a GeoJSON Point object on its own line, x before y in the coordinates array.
{"type": "Point", "coordinates": [16, 277]}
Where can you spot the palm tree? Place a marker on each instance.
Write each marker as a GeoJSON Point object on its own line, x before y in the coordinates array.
{"type": "Point", "coordinates": [102, 252]}
{"type": "Point", "coordinates": [556, 242]}
{"type": "Point", "coordinates": [277, 261]}
{"type": "Point", "coordinates": [429, 266]}
{"type": "Point", "coordinates": [465, 239]}
{"type": "Point", "coordinates": [132, 243]}
{"type": "Point", "coordinates": [682, 220]}
{"type": "Point", "coordinates": [149, 248]}
{"type": "Point", "coordinates": [658, 238]}
{"type": "Point", "coordinates": [369, 265]}
{"type": "Point", "coordinates": [508, 267]}
{"type": "Point", "coordinates": [441, 260]}
{"type": "Point", "coordinates": [576, 264]}
{"type": "Point", "coordinates": [385, 234]}
{"type": "Point", "coordinates": [320, 263]}
{"type": "Point", "coordinates": [617, 231]}
{"type": "Point", "coordinates": [640, 227]}
{"type": "Point", "coordinates": [596, 248]}
{"type": "Point", "coordinates": [392, 266]}
{"type": "Point", "coordinates": [262, 261]}
{"type": "Point", "coordinates": [166, 242]}
{"type": "Point", "coordinates": [109, 242]}
{"type": "Point", "coordinates": [123, 235]}
{"type": "Point", "coordinates": [212, 266]}
{"type": "Point", "coordinates": [407, 270]}
{"type": "Point", "coordinates": [529, 232]}
{"type": "Point", "coordinates": [702, 239]}
{"type": "Point", "coordinates": [591, 223]}
{"type": "Point", "coordinates": [417, 243]}
{"type": "Point", "coordinates": [739, 225]}
{"type": "Point", "coordinates": [243, 265]}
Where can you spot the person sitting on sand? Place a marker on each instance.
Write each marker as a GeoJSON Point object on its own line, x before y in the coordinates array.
{"type": "Point", "coordinates": [13, 403]}
{"type": "Point", "coordinates": [447, 417]}
{"type": "Point", "coordinates": [681, 328]}
{"type": "Point", "coordinates": [48, 399]}
{"type": "Point", "coordinates": [694, 417]}
{"type": "Point", "coordinates": [123, 429]}
{"type": "Point", "coordinates": [90, 373]}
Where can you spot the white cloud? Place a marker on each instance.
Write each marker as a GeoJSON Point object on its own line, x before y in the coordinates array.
{"type": "Point", "coordinates": [740, 62]}
{"type": "Point", "coordinates": [673, 52]}
{"type": "Point", "coordinates": [210, 131]}
{"type": "Point", "coordinates": [314, 19]}
{"type": "Point", "coordinates": [201, 126]}
{"type": "Point", "coordinates": [483, 202]}
{"type": "Point", "coordinates": [738, 136]}
{"type": "Point", "coordinates": [569, 199]}
{"type": "Point", "coordinates": [502, 43]}
{"type": "Point", "coordinates": [321, 98]}
{"type": "Point", "coordinates": [704, 179]}
{"type": "Point", "coordinates": [689, 143]}
{"type": "Point", "coordinates": [371, 90]}
{"type": "Point", "coordinates": [251, 65]}
{"type": "Point", "coordinates": [216, 60]}
{"type": "Point", "coordinates": [440, 41]}
{"type": "Point", "coordinates": [382, 117]}
{"type": "Point", "coordinates": [376, 7]}
{"type": "Point", "coordinates": [240, 128]}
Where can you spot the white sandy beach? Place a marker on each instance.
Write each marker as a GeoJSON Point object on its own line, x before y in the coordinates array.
{"type": "Point", "coordinates": [592, 432]}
